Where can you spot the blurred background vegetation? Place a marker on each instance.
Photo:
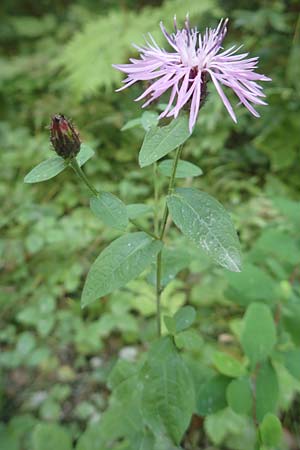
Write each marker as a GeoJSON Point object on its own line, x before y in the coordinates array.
{"type": "Point", "coordinates": [55, 358]}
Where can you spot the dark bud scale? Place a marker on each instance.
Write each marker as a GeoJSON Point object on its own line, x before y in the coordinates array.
{"type": "Point", "coordinates": [64, 137]}
{"type": "Point", "coordinates": [203, 93]}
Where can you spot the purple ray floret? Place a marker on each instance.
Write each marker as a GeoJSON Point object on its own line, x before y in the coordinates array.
{"type": "Point", "coordinates": [195, 58]}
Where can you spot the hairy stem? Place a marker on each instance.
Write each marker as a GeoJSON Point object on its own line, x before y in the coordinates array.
{"type": "Point", "coordinates": [161, 237]}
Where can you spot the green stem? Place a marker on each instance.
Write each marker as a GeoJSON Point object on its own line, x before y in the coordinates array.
{"type": "Point", "coordinates": [156, 199]}
{"type": "Point", "coordinates": [161, 237]}
{"type": "Point", "coordinates": [75, 166]}
{"type": "Point", "coordinates": [170, 189]}
{"type": "Point", "coordinates": [158, 293]}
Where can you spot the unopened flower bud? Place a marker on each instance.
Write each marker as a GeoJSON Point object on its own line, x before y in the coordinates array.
{"type": "Point", "coordinates": [64, 137]}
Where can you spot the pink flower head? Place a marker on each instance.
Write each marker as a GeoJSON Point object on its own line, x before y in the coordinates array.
{"type": "Point", "coordinates": [195, 59]}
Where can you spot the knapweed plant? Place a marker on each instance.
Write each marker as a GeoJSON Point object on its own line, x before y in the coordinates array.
{"type": "Point", "coordinates": [155, 398]}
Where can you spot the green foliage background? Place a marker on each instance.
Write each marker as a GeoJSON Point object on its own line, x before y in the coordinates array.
{"type": "Point", "coordinates": [55, 358]}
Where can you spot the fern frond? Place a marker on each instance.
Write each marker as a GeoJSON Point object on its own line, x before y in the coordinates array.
{"type": "Point", "coordinates": [87, 59]}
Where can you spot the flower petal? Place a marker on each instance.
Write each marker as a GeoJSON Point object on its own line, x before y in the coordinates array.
{"type": "Point", "coordinates": [223, 96]}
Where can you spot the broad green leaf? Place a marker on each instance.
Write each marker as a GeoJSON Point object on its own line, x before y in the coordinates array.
{"type": "Point", "coordinates": [184, 169]}
{"type": "Point", "coordinates": [159, 141]}
{"type": "Point", "coordinates": [211, 395]}
{"type": "Point", "coordinates": [189, 340]}
{"type": "Point", "coordinates": [115, 424]}
{"type": "Point", "coordinates": [85, 154]}
{"type": "Point", "coordinates": [184, 318]}
{"type": "Point", "coordinates": [267, 390]}
{"type": "Point", "coordinates": [251, 285]}
{"type": "Point", "coordinates": [144, 440]}
{"type": "Point", "coordinates": [168, 393]}
{"type": "Point", "coordinates": [122, 370]}
{"type": "Point", "coordinates": [53, 166]}
{"type": "Point", "coordinates": [149, 119]}
{"type": "Point", "coordinates": [49, 436]}
{"type": "Point", "coordinates": [181, 320]}
{"type": "Point", "coordinates": [110, 209]}
{"type": "Point", "coordinates": [288, 385]}
{"type": "Point", "coordinates": [125, 397]}
{"type": "Point", "coordinates": [204, 220]}
{"type": "Point", "coordinates": [239, 395]}
{"type": "Point", "coordinates": [137, 209]}
{"type": "Point", "coordinates": [131, 124]}
{"type": "Point", "coordinates": [270, 430]}
{"type": "Point", "coordinates": [292, 362]}
{"type": "Point", "coordinates": [46, 170]}
{"type": "Point", "coordinates": [170, 324]}
{"type": "Point", "coordinates": [259, 332]}
{"type": "Point", "coordinates": [91, 439]}
{"type": "Point", "coordinates": [291, 316]}
{"type": "Point", "coordinates": [228, 365]}
{"type": "Point", "coordinates": [163, 442]}
{"type": "Point", "coordinates": [225, 423]}
{"type": "Point", "coordinates": [123, 260]}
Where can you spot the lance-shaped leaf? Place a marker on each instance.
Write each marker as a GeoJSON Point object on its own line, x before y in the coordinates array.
{"type": "Point", "coordinates": [168, 398]}
{"type": "Point", "coordinates": [53, 166]}
{"type": "Point", "coordinates": [123, 260]}
{"type": "Point", "coordinates": [184, 169]}
{"type": "Point", "coordinates": [204, 220]}
{"type": "Point", "coordinates": [159, 141]}
{"type": "Point", "coordinates": [110, 209]}
{"type": "Point", "coordinates": [46, 170]}
{"type": "Point", "coordinates": [131, 124]}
